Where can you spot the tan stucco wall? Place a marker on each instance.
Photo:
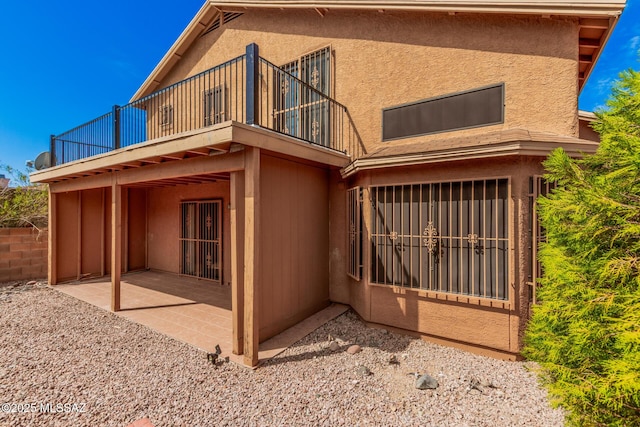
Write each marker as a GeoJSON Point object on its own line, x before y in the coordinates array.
{"type": "Point", "coordinates": [440, 316]}
{"type": "Point", "coordinates": [386, 59]}
{"type": "Point", "coordinates": [164, 224]}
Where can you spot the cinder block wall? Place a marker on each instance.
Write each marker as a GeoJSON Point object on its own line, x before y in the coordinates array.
{"type": "Point", "coordinates": [23, 254]}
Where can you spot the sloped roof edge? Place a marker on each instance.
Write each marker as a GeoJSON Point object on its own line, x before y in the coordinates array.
{"type": "Point", "coordinates": [212, 8]}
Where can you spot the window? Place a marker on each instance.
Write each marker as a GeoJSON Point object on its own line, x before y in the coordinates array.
{"type": "Point", "coordinates": [447, 237]}
{"type": "Point", "coordinates": [301, 110]}
{"type": "Point", "coordinates": [200, 239]}
{"type": "Point", "coordinates": [214, 105]}
{"type": "Point", "coordinates": [473, 108]}
{"type": "Point", "coordinates": [166, 115]}
{"type": "Point", "coordinates": [354, 207]}
{"type": "Point", "coordinates": [537, 187]}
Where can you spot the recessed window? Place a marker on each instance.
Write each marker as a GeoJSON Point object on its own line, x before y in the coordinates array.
{"type": "Point", "coordinates": [214, 105]}
{"type": "Point", "coordinates": [301, 110]}
{"type": "Point", "coordinates": [473, 108]}
{"type": "Point", "coordinates": [166, 115]}
{"type": "Point", "coordinates": [450, 237]}
{"type": "Point", "coordinates": [354, 207]}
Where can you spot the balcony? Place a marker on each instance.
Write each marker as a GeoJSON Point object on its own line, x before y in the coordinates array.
{"type": "Point", "coordinates": [247, 89]}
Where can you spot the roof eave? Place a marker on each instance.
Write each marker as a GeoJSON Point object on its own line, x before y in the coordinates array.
{"type": "Point", "coordinates": [211, 8]}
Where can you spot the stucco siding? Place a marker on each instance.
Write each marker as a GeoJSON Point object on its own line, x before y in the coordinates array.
{"type": "Point", "coordinates": [386, 59]}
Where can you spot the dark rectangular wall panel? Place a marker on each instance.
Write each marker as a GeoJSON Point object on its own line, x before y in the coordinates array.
{"type": "Point", "coordinates": [477, 107]}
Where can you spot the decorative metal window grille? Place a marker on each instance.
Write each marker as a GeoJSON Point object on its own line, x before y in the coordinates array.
{"type": "Point", "coordinates": [538, 186]}
{"type": "Point", "coordinates": [300, 110]}
{"type": "Point", "coordinates": [200, 239]}
{"type": "Point", "coordinates": [354, 207]}
{"type": "Point", "coordinates": [166, 115]}
{"type": "Point", "coordinates": [447, 237]}
{"type": "Point", "coordinates": [214, 107]}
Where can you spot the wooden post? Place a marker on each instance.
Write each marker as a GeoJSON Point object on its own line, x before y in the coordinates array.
{"type": "Point", "coordinates": [103, 207]}
{"type": "Point", "coordinates": [116, 243]}
{"type": "Point", "coordinates": [53, 218]}
{"type": "Point", "coordinates": [79, 259]}
{"type": "Point", "coordinates": [237, 259]}
{"type": "Point", "coordinates": [251, 256]}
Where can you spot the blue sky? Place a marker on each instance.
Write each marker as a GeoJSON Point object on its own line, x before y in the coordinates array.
{"type": "Point", "coordinates": [65, 65]}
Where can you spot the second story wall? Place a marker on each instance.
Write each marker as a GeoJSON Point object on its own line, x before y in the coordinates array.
{"type": "Point", "coordinates": [385, 59]}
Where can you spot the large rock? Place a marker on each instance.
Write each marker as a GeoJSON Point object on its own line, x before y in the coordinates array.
{"type": "Point", "coordinates": [354, 349]}
{"type": "Point", "coordinates": [426, 382]}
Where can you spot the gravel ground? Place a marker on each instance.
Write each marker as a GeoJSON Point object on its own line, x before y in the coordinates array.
{"type": "Point", "coordinates": [57, 350]}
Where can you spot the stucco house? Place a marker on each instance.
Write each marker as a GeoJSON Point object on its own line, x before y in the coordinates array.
{"type": "Point", "coordinates": [380, 154]}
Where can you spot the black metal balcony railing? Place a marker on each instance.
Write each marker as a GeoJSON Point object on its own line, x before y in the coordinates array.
{"type": "Point", "coordinates": [247, 89]}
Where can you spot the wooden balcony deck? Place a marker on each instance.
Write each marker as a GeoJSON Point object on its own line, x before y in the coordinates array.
{"type": "Point", "coordinates": [196, 312]}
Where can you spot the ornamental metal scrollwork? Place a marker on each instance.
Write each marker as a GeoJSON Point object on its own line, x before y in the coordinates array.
{"type": "Point", "coordinates": [430, 233]}
{"type": "Point", "coordinates": [285, 87]}
{"type": "Point", "coordinates": [209, 221]}
{"type": "Point", "coordinates": [315, 129]}
{"type": "Point", "coordinates": [352, 232]}
{"type": "Point", "coordinates": [473, 239]}
{"type": "Point", "coordinates": [315, 77]}
{"type": "Point", "coordinates": [393, 235]}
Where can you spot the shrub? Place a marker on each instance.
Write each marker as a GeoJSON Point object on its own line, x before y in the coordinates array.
{"type": "Point", "coordinates": [25, 205]}
{"type": "Point", "coordinates": [585, 333]}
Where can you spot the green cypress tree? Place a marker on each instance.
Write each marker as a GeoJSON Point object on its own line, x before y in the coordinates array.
{"type": "Point", "coordinates": [585, 333]}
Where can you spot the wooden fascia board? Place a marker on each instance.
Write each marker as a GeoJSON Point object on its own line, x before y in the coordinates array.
{"type": "Point", "coordinates": [273, 141]}
{"type": "Point", "coordinates": [584, 9]}
{"type": "Point", "coordinates": [173, 170]}
{"type": "Point", "coordinates": [218, 134]}
{"type": "Point", "coordinates": [525, 148]}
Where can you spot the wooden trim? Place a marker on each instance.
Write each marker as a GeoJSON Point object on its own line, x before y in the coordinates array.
{"type": "Point", "coordinates": [252, 257]}
{"type": "Point", "coordinates": [116, 244]}
{"type": "Point", "coordinates": [125, 230]}
{"type": "Point", "coordinates": [179, 168]}
{"type": "Point", "coordinates": [218, 136]}
{"type": "Point", "coordinates": [103, 214]}
{"type": "Point", "coordinates": [525, 148]}
{"type": "Point", "coordinates": [79, 247]}
{"type": "Point", "coordinates": [146, 228]}
{"type": "Point", "coordinates": [237, 259]}
{"type": "Point", "coordinates": [53, 218]}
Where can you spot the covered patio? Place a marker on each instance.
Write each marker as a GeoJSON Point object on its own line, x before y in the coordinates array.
{"type": "Point", "coordinates": [196, 312]}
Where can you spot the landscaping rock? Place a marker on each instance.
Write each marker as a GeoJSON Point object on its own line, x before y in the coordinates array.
{"type": "Point", "coordinates": [334, 346]}
{"type": "Point", "coordinates": [354, 349]}
{"type": "Point", "coordinates": [363, 371]}
{"type": "Point", "coordinates": [426, 382]}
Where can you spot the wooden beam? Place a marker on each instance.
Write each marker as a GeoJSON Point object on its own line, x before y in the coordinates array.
{"type": "Point", "coordinates": [251, 256]}
{"type": "Point", "coordinates": [53, 218]}
{"type": "Point", "coordinates": [216, 135]}
{"type": "Point", "coordinates": [598, 24]}
{"type": "Point", "coordinates": [116, 244]}
{"type": "Point", "coordinates": [585, 59]}
{"type": "Point", "coordinates": [589, 43]}
{"type": "Point", "coordinates": [188, 167]}
{"type": "Point", "coordinates": [237, 260]}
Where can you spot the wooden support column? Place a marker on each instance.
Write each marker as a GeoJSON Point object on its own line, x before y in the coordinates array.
{"type": "Point", "coordinates": [251, 256]}
{"type": "Point", "coordinates": [116, 243]}
{"type": "Point", "coordinates": [79, 258]}
{"type": "Point", "coordinates": [237, 260]}
{"type": "Point", "coordinates": [53, 218]}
